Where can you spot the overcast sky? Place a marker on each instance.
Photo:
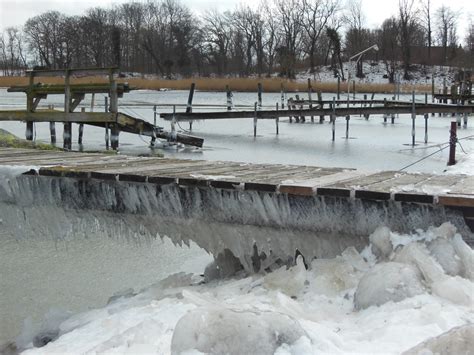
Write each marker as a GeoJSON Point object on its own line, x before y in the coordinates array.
{"type": "Point", "coordinates": [16, 12]}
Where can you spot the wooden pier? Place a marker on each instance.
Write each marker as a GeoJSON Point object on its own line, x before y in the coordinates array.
{"type": "Point", "coordinates": [386, 190]}
{"type": "Point", "coordinates": [111, 119]}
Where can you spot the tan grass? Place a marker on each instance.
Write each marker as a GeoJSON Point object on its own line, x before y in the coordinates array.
{"type": "Point", "coordinates": [219, 84]}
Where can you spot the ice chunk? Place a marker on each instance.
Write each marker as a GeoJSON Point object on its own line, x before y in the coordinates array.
{"type": "Point", "coordinates": [459, 340]}
{"type": "Point", "coordinates": [456, 289]}
{"type": "Point", "coordinates": [466, 254]}
{"type": "Point", "coordinates": [381, 244]}
{"type": "Point", "coordinates": [387, 282]}
{"type": "Point", "coordinates": [214, 330]}
{"type": "Point", "coordinates": [443, 251]}
{"type": "Point", "coordinates": [290, 281]}
{"type": "Point", "coordinates": [417, 254]}
{"type": "Point", "coordinates": [331, 276]}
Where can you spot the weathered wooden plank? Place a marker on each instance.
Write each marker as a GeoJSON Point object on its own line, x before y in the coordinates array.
{"type": "Point", "coordinates": [365, 182]}
{"type": "Point", "coordinates": [456, 200]}
{"type": "Point", "coordinates": [320, 185]}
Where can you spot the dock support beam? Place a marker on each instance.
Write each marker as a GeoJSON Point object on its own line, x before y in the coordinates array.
{"type": "Point", "coordinates": [67, 136]}
{"type": "Point", "coordinates": [259, 95]}
{"type": "Point", "coordinates": [81, 129]}
{"type": "Point", "coordinates": [310, 90]}
{"type": "Point", "coordinates": [348, 117]}
{"type": "Point", "coordinates": [333, 119]}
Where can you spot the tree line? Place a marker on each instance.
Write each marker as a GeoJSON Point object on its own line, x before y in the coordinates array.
{"type": "Point", "coordinates": [166, 38]}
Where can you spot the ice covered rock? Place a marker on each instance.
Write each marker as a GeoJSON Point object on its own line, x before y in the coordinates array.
{"type": "Point", "coordinates": [443, 251]}
{"type": "Point", "coordinates": [214, 330]}
{"type": "Point", "coordinates": [459, 340]}
{"type": "Point", "coordinates": [225, 265]}
{"type": "Point", "coordinates": [381, 244]}
{"type": "Point", "coordinates": [387, 282]}
{"type": "Point", "coordinates": [289, 281]}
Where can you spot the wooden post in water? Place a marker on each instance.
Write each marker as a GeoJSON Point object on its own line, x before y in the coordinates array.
{"type": "Point", "coordinates": [114, 129]}
{"type": "Point", "coordinates": [290, 106]}
{"type": "Point", "coordinates": [452, 143]}
{"type": "Point", "coordinates": [310, 90]}
{"type": "Point", "coordinates": [385, 114]}
{"type": "Point", "coordinates": [321, 106]}
{"type": "Point", "coordinates": [413, 117]}
{"type": "Point", "coordinates": [259, 96]}
{"type": "Point", "coordinates": [81, 129]}
{"type": "Point", "coordinates": [114, 136]}
{"type": "Point", "coordinates": [229, 98]}
{"type": "Point", "coordinates": [30, 108]}
{"type": "Point", "coordinates": [338, 88]}
{"type": "Point", "coordinates": [348, 117]}
{"type": "Point", "coordinates": [67, 133]}
{"type": "Point", "coordinates": [353, 89]}
{"type": "Point", "coordinates": [426, 127]}
{"type": "Point", "coordinates": [153, 139]}
{"type": "Point", "coordinates": [255, 120]}
{"type": "Point", "coordinates": [364, 105]}
{"type": "Point", "coordinates": [466, 116]}
{"type": "Point", "coordinates": [297, 118]}
{"type": "Point", "coordinates": [189, 105]}
{"type": "Point", "coordinates": [277, 120]}
{"type": "Point", "coordinates": [333, 119]}
{"type": "Point", "coordinates": [106, 125]}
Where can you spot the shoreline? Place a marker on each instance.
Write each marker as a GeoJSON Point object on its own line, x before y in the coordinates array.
{"type": "Point", "coordinates": [235, 84]}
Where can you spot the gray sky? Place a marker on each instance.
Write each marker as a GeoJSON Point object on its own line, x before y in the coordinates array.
{"type": "Point", "coordinates": [16, 12]}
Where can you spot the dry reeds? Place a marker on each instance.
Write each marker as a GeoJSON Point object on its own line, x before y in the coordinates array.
{"type": "Point", "coordinates": [219, 84]}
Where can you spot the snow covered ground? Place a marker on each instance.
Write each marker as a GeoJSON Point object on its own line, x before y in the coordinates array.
{"type": "Point", "coordinates": [400, 291]}
{"type": "Point", "coordinates": [374, 74]}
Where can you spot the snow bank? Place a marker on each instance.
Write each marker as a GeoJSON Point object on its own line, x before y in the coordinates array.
{"type": "Point", "coordinates": [355, 302]}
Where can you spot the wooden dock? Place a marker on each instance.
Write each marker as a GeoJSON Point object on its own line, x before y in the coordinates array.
{"type": "Point", "coordinates": [450, 192]}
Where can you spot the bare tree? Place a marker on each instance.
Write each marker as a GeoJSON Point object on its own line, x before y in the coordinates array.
{"type": "Point", "coordinates": [427, 23]}
{"type": "Point", "coordinates": [316, 14]}
{"type": "Point", "coordinates": [446, 22]}
{"type": "Point", "coordinates": [407, 22]}
{"type": "Point", "coordinates": [389, 43]}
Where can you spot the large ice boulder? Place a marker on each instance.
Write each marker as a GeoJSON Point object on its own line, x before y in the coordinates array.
{"type": "Point", "coordinates": [289, 281]}
{"type": "Point", "coordinates": [459, 341]}
{"type": "Point", "coordinates": [387, 282]}
{"type": "Point", "coordinates": [213, 330]}
{"type": "Point", "coordinates": [443, 251]}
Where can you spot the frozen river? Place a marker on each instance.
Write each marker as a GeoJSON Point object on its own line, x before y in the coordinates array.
{"type": "Point", "coordinates": [38, 275]}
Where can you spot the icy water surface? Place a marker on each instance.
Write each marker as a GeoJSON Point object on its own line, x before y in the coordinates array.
{"type": "Point", "coordinates": [372, 144]}
{"type": "Point", "coordinates": [83, 273]}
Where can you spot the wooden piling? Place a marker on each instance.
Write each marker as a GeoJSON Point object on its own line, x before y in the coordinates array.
{"type": "Point", "coordinates": [310, 90]}
{"type": "Point", "coordinates": [426, 127]}
{"type": "Point", "coordinates": [333, 119]}
{"type": "Point", "coordinates": [353, 89]}
{"type": "Point", "coordinates": [321, 106]}
{"type": "Point", "coordinates": [348, 117]}
{"type": "Point", "coordinates": [81, 129]}
{"type": "Point", "coordinates": [106, 100]}
{"type": "Point", "coordinates": [29, 130]}
{"type": "Point", "coordinates": [338, 88]}
{"type": "Point", "coordinates": [466, 116]}
{"type": "Point", "coordinates": [229, 98]}
{"type": "Point", "coordinates": [52, 131]}
{"type": "Point", "coordinates": [452, 143]}
{"type": "Point", "coordinates": [255, 120]}
{"type": "Point", "coordinates": [259, 96]}
{"type": "Point", "coordinates": [413, 117]}
{"type": "Point", "coordinates": [277, 121]}
{"type": "Point", "coordinates": [282, 97]}
{"type": "Point", "coordinates": [114, 136]}
{"type": "Point", "coordinates": [67, 136]}
{"type": "Point", "coordinates": [189, 105]}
